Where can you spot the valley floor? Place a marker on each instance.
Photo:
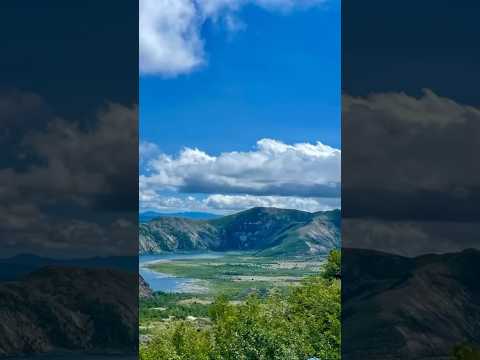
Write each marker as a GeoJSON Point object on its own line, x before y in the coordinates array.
{"type": "Point", "coordinates": [234, 275]}
{"type": "Point", "coordinates": [250, 308]}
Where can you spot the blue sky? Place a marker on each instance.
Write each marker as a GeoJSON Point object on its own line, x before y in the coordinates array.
{"type": "Point", "coordinates": [237, 75]}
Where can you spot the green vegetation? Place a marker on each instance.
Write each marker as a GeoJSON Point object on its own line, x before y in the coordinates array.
{"type": "Point", "coordinates": [269, 231]}
{"type": "Point", "coordinates": [300, 322]}
{"type": "Point", "coordinates": [332, 267]}
{"type": "Point", "coordinates": [163, 306]}
{"type": "Point", "coordinates": [236, 275]}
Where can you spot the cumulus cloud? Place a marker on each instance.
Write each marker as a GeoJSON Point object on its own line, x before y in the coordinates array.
{"type": "Point", "coordinates": [409, 238]}
{"type": "Point", "coordinates": [271, 169]}
{"type": "Point", "coordinates": [410, 157]}
{"type": "Point", "coordinates": [220, 203]}
{"type": "Point", "coordinates": [169, 36]}
{"type": "Point", "coordinates": [403, 133]}
{"type": "Point", "coordinates": [274, 174]}
{"type": "Point", "coordinates": [410, 183]}
{"type": "Point", "coordinates": [241, 202]}
{"type": "Point", "coordinates": [88, 164]}
{"type": "Point", "coordinates": [147, 151]}
{"type": "Point", "coordinates": [170, 30]}
{"type": "Point", "coordinates": [64, 183]}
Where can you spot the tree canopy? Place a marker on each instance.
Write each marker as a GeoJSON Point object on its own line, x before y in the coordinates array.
{"type": "Point", "coordinates": [302, 324]}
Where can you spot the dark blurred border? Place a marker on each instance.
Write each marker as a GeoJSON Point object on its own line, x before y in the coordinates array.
{"type": "Point", "coordinates": [69, 179]}
{"type": "Point", "coordinates": [410, 179]}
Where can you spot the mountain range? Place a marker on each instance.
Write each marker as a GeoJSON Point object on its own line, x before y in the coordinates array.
{"type": "Point", "coordinates": [396, 307]}
{"type": "Point", "coordinates": [269, 231]}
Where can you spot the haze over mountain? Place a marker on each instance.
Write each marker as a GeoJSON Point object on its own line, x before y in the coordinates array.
{"type": "Point", "coordinates": [271, 231]}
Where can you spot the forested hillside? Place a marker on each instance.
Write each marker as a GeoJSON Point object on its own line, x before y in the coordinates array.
{"type": "Point", "coordinates": [271, 231]}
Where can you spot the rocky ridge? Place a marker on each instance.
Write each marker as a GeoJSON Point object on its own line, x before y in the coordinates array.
{"type": "Point", "coordinates": [74, 309]}
{"type": "Point", "coordinates": [270, 231]}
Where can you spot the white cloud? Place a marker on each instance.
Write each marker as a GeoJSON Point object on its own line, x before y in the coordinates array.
{"type": "Point", "coordinates": [147, 151]}
{"type": "Point", "coordinates": [242, 202]}
{"type": "Point", "coordinates": [170, 30]}
{"type": "Point", "coordinates": [169, 36]}
{"type": "Point", "coordinates": [300, 176]}
{"type": "Point", "coordinates": [219, 203]}
{"type": "Point", "coordinates": [272, 169]}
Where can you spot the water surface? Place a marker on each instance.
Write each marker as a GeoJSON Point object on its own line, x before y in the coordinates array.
{"type": "Point", "coordinates": [168, 283]}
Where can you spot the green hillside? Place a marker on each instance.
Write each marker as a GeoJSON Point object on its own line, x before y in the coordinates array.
{"type": "Point", "coordinates": [271, 231]}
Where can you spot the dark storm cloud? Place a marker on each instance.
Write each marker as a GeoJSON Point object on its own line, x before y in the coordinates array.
{"type": "Point", "coordinates": [62, 182]}
{"type": "Point", "coordinates": [20, 113]}
{"type": "Point", "coordinates": [88, 163]}
{"type": "Point", "coordinates": [410, 158]}
{"type": "Point", "coordinates": [408, 237]}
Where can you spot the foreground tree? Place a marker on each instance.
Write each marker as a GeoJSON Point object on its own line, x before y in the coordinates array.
{"type": "Point", "coordinates": [302, 324]}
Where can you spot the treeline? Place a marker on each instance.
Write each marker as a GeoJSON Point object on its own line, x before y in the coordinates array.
{"type": "Point", "coordinates": [302, 324]}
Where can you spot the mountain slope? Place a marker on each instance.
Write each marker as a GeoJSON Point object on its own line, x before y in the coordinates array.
{"type": "Point", "coordinates": [271, 231]}
{"type": "Point", "coordinates": [408, 308]}
{"type": "Point", "coordinates": [74, 309]}
{"type": "Point", "coordinates": [144, 290]}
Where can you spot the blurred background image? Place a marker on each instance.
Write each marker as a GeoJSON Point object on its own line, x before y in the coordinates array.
{"type": "Point", "coordinates": [410, 117]}
{"type": "Point", "coordinates": [68, 179]}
